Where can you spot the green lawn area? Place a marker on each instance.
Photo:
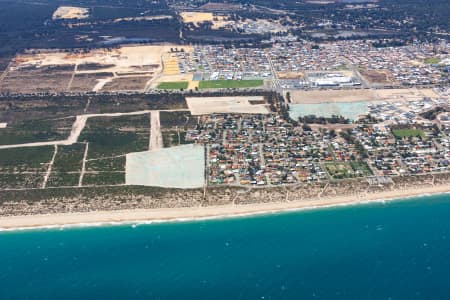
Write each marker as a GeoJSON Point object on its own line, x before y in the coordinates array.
{"type": "Point", "coordinates": [405, 133]}
{"type": "Point", "coordinates": [230, 84]}
{"type": "Point", "coordinates": [174, 85]}
{"type": "Point", "coordinates": [432, 60]}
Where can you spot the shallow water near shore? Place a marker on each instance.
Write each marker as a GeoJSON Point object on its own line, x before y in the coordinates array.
{"type": "Point", "coordinates": [395, 250]}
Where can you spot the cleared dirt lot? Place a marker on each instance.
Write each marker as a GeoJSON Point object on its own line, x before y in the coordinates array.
{"type": "Point", "coordinates": [405, 94]}
{"type": "Point", "coordinates": [198, 17]}
{"type": "Point", "coordinates": [236, 104]}
{"type": "Point", "coordinates": [359, 95]}
{"type": "Point", "coordinates": [324, 96]}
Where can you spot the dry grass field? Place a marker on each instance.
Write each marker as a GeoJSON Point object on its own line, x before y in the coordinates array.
{"type": "Point", "coordinates": [86, 82]}
{"type": "Point", "coordinates": [128, 83]}
{"type": "Point", "coordinates": [36, 83]}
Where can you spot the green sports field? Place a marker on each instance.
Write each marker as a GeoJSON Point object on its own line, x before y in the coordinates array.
{"type": "Point", "coordinates": [174, 85]}
{"type": "Point", "coordinates": [230, 84]}
{"type": "Point", "coordinates": [405, 133]}
{"type": "Point", "coordinates": [432, 60]}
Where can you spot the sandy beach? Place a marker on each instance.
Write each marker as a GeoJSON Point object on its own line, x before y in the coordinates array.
{"type": "Point", "coordinates": [193, 213]}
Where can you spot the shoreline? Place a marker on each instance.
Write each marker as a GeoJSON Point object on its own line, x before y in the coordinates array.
{"type": "Point", "coordinates": [162, 215]}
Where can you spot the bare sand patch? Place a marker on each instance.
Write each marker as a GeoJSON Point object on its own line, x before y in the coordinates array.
{"type": "Point", "coordinates": [193, 85]}
{"type": "Point", "coordinates": [235, 104]}
{"type": "Point", "coordinates": [327, 96]}
{"type": "Point", "coordinates": [291, 75]}
{"type": "Point", "coordinates": [70, 12]}
{"type": "Point", "coordinates": [179, 77]}
{"type": "Point", "coordinates": [221, 23]}
{"type": "Point", "coordinates": [196, 17]}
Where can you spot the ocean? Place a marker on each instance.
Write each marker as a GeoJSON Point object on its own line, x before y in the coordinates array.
{"type": "Point", "coordinates": [392, 250]}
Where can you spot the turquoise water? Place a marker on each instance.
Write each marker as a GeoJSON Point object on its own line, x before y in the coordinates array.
{"type": "Point", "coordinates": [397, 250]}
{"type": "Point", "coordinates": [349, 110]}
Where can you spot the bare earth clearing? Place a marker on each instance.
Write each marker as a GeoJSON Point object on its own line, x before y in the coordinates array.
{"type": "Point", "coordinates": [324, 96]}
{"type": "Point", "coordinates": [70, 12]}
{"type": "Point", "coordinates": [359, 95]}
{"type": "Point", "coordinates": [127, 68]}
{"type": "Point", "coordinates": [209, 105]}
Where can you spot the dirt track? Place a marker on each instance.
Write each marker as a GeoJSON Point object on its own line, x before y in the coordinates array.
{"type": "Point", "coordinates": [156, 141]}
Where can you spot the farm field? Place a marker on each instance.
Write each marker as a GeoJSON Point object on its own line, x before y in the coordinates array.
{"type": "Point", "coordinates": [230, 84]}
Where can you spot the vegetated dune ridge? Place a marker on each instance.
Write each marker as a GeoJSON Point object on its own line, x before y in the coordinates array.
{"type": "Point", "coordinates": [132, 216]}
